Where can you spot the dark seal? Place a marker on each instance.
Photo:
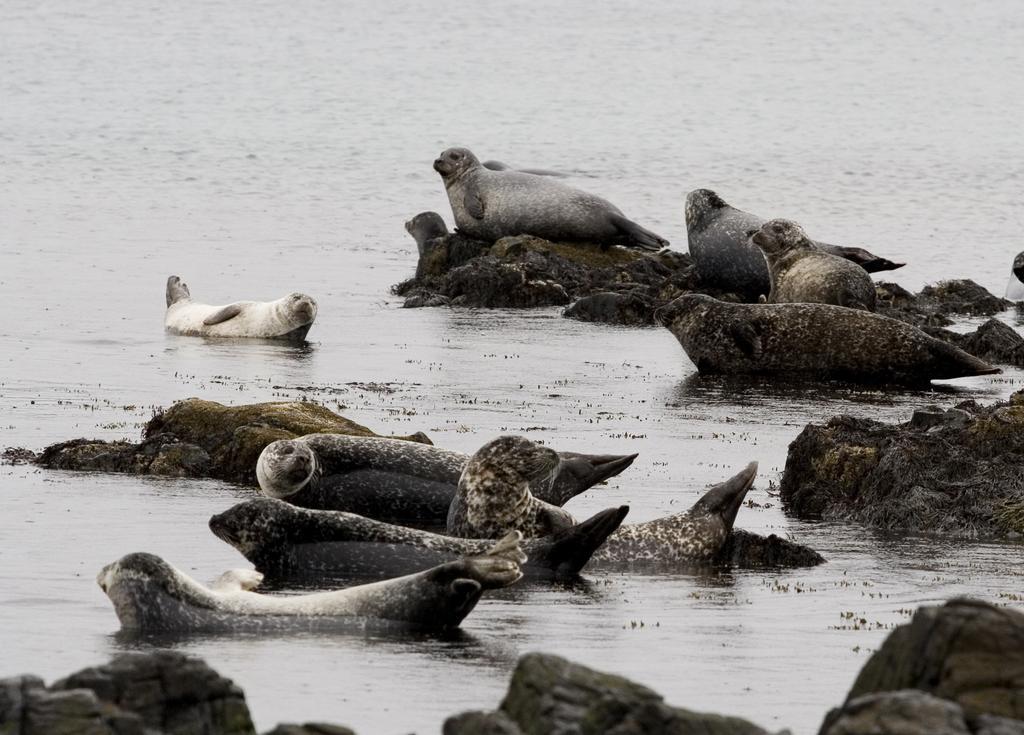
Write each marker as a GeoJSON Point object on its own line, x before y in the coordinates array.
{"type": "Point", "coordinates": [424, 227]}
{"type": "Point", "coordinates": [489, 205]}
{"type": "Point", "coordinates": [811, 340]}
{"type": "Point", "coordinates": [1015, 288]}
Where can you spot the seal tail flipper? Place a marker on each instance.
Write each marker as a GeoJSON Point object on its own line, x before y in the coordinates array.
{"type": "Point", "coordinates": [571, 549]}
{"type": "Point", "coordinates": [952, 362]}
{"type": "Point", "coordinates": [638, 236]}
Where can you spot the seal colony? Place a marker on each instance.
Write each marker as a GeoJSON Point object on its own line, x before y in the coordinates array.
{"type": "Point", "coordinates": [288, 318]}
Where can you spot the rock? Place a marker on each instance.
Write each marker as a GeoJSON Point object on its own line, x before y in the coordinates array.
{"type": "Point", "coordinates": [751, 551]}
{"type": "Point", "coordinates": [197, 438]}
{"type": "Point", "coordinates": [310, 728]}
{"type": "Point", "coordinates": [909, 712]}
{"type": "Point", "coordinates": [551, 696]}
{"type": "Point", "coordinates": [959, 471]}
{"type": "Point", "coordinates": [17, 455]}
{"type": "Point", "coordinates": [933, 305]}
{"type": "Point", "coordinates": [627, 309]}
{"type": "Point", "coordinates": [993, 341]}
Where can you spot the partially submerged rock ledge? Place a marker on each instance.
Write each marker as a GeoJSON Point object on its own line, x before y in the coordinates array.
{"type": "Point", "coordinates": [958, 471]}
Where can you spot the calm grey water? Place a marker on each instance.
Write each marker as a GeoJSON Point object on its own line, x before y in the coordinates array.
{"type": "Point", "coordinates": [256, 148]}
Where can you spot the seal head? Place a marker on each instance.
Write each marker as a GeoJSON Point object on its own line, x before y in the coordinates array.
{"type": "Point", "coordinates": [424, 227]}
{"type": "Point", "coordinates": [454, 163]}
{"type": "Point", "coordinates": [285, 467]}
{"type": "Point", "coordinates": [1015, 287]}
{"type": "Point", "coordinates": [780, 236]}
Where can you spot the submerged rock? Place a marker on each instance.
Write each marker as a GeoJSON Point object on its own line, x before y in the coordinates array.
{"type": "Point", "coordinates": [957, 471]}
{"type": "Point", "coordinates": [197, 438]}
{"type": "Point", "coordinates": [752, 551]}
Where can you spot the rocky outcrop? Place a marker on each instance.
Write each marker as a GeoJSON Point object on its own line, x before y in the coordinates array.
{"type": "Point", "coordinates": [934, 305]}
{"type": "Point", "coordinates": [912, 712]}
{"type": "Point", "coordinates": [994, 341]}
{"type": "Point", "coordinates": [957, 471]}
{"type": "Point", "coordinates": [752, 551]}
{"type": "Point", "coordinates": [197, 438]}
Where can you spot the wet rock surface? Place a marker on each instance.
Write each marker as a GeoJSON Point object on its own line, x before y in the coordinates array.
{"type": "Point", "coordinates": [196, 438]}
{"type": "Point", "coordinates": [933, 305]}
{"type": "Point", "coordinates": [955, 471]}
{"type": "Point", "coordinates": [751, 551]}
{"type": "Point", "coordinates": [994, 341]}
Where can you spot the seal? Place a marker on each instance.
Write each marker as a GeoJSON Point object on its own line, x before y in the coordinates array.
{"type": "Point", "coordinates": [494, 495]}
{"type": "Point", "coordinates": [801, 273]}
{"type": "Point", "coordinates": [1015, 288]}
{"type": "Point", "coordinates": [399, 481]}
{"type": "Point", "coordinates": [724, 257]}
{"type": "Point", "coordinates": [489, 205]}
{"type": "Point", "coordinates": [291, 544]}
{"type": "Point", "coordinates": [151, 596]}
{"type": "Point", "coordinates": [288, 318]}
{"type": "Point", "coordinates": [811, 340]}
{"type": "Point", "coordinates": [501, 166]}
{"type": "Point", "coordinates": [424, 227]}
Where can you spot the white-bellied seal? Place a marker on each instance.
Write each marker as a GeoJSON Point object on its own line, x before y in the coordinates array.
{"type": "Point", "coordinates": [725, 258]}
{"type": "Point", "coordinates": [424, 227]}
{"type": "Point", "coordinates": [393, 480]}
{"type": "Point", "coordinates": [489, 205]}
{"type": "Point", "coordinates": [288, 318]}
{"type": "Point", "coordinates": [290, 543]}
{"type": "Point", "coordinates": [811, 340]}
{"type": "Point", "coordinates": [494, 494]}
{"type": "Point", "coordinates": [1015, 288]}
{"type": "Point", "coordinates": [801, 273]}
{"type": "Point", "coordinates": [502, 166]}
{"type": "Point", "coordinates": [151, 596]}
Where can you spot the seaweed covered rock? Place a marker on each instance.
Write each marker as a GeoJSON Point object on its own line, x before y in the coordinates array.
{"type": "Point", "coordinates": [752, 551]}
{"type": "Point", "coordinates": [955, 471]}
{"type": "Point", "coordinates": [549, 695]}
{"type": "Point", "coordinates": [994, 341]}
{"type": "Point", "coordinates": [197, 438]}
{"type": "Point", "coordinates": [956, 668]}
{"type": "Point", "coordinates": [933, 306]}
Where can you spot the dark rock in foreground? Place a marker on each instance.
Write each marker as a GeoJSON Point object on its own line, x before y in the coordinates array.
{"type": "Point", "coordinates": [551, 696]}
{"type": "Point", "coordinates": [751, 551]}
{"type": "Point", "coordinates": [954, 471]}
{"type": "Point", "coordinates": [196, 438]}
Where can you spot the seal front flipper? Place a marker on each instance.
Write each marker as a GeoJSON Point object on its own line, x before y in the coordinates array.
{"type": "Point", "coordinates": [237, 580]}
{"type": "Point", "coordinates": [228, 312]}
{"type": "Point", "coordinates": [746, 338]}
{"type": "Point", "coordinates": [568, 551]}
{"type": "Point", "coordinates": [638, 236]}
{"type": "Point", "coordinates": [474, 205]}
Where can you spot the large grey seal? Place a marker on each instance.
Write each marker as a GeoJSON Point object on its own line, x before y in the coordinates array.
{"type": "Point", "coordinates": [288, 318]}
{"type": "Point", "coordinates": [494, 492]}
{"type": "Point", "coordinates": [725, 258]}
{"type": "Point", "coordinates": [489, 205]}
{"type": "Point", "coordinates": [1015, 287]}
{"type": "Point", "coordinates": [290, 543]}
{"type": "Point", "coordinates": [811, 340]}
{"type": "Point", "coordinates": [801, 273]}
{"type": "Point", "coordinates": [151, 596]}
{"type": "Point", "coordinates": [393, 480]}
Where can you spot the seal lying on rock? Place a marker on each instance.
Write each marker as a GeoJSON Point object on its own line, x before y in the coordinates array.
{"type": "Point", "coordinates": [149, 595]}
{"type": "Point", "coordinates": [292, 543]}
{"type": "Point", "coordinates": [802, 273]}
{"type": "Point", "coordinates": [817, 340]}
{"type": "Point", "coordinates": [490, 205]}
{"type": "Point", "coordinates": [1015, 287]}
{"type": "Point", "coordinates": [726, 259]}
{"type": "Point", "coordinates": [393, 480]}
{"type": "Point", "coordinates": [288, 318]}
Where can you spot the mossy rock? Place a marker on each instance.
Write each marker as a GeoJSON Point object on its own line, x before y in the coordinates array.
{"type": "Point", "coordinates": [592, 256]}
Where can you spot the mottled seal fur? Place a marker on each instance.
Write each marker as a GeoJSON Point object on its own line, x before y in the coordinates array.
{"type": "Point", "coordinates": [494, 495]}
{"type": "Point", "coordinates": [693, 537]}
{"type": "Point", "coordinates": [725, 258]}
{"type": "Point", "coordinates": [802, 273]}
{"type": "Point", "coordinates": [290, 543]}
{"type": "Point", "coordinates": [1015, 287]}
{"type": "Point", "coordinates": [811, 340]}
{"type": "Point", "coordinates": [424, 227]}
{"type": "Point", "coordinates": [489, 205]}
{"type": "Point", "coordinates": [288, 318]}
{"type": "Point", "coordinates": [151, 596]}
{"type": "Point", "coordinates": [393, 480]}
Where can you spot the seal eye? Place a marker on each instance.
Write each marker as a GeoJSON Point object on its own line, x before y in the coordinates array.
{"type": "Point", "coordinates": [777, 229]}
{"type": "Point", "coordinates": [287, 449]}
{"type": "Point", "coordinates": [454, 156]}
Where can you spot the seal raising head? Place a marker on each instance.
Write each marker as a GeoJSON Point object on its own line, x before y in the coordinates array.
{"type": "Point", "coordinates": [424, 227]}
{"type": "Point", "coordinates": [285, 467]}
{"type": "Point", "coordinates": [780, 236]}
{"type": "Point", "coordinates": [494, 495]}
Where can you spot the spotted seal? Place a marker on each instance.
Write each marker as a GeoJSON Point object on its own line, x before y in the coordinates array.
{"type": "Point", "coordinates": [801, 273]}
{"type": "Point", "coordinates": [724, 256]}
{"type": "Point", "coordinates": [424, 227]}
{"type": "Point", "coordinates": [489, 205]}
{"type": "Point", "coordinates": [811, 340]}
{"type": "Point", "coordinates": [290, 543]}
{"type": "Point", "coordinates": [1015, 287]}
{"type": "Point", "coordinates": [151, 596]}
{"type": "Point", "coordinates": [288, 318]}
{"type": "Point", "coordinates": [393, 480]}
{"type": "Point", "coordinates": [494, 494]}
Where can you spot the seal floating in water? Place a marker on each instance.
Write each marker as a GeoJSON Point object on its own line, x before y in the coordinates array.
{"type": "Point", "coordinates": [149, 595]}
{"type": "Point", "coordinates": [726, 259]}
{"type": "Point", "coordinates": [292, 543]}
{"type": "Point", "coordinates": [393, 480]}
{"type": "Point", "coordinates": [1015, 288]}
{"type": "Point", "coordinates": [288, 318]}
{"type": "Point", "coordinates": [489, 205]}
{"type": "Point", "coordinates": [494, 495]}
{"type": "Point", "coordinates": [816, 340]}
{"type": "Point", "coordinates": [801, 273]}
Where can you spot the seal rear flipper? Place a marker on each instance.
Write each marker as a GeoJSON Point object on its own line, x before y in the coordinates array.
{"type": "Point", "coordinates": [228, 312]}
{"type": "Point", "coordinates": [639, 236]}
{"type": "Point", "coordinates": [952, 362]}
{"type": "Point", "coordinates": [865, 259]}
{"type": "Point", "coordinates": [567, 552]}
